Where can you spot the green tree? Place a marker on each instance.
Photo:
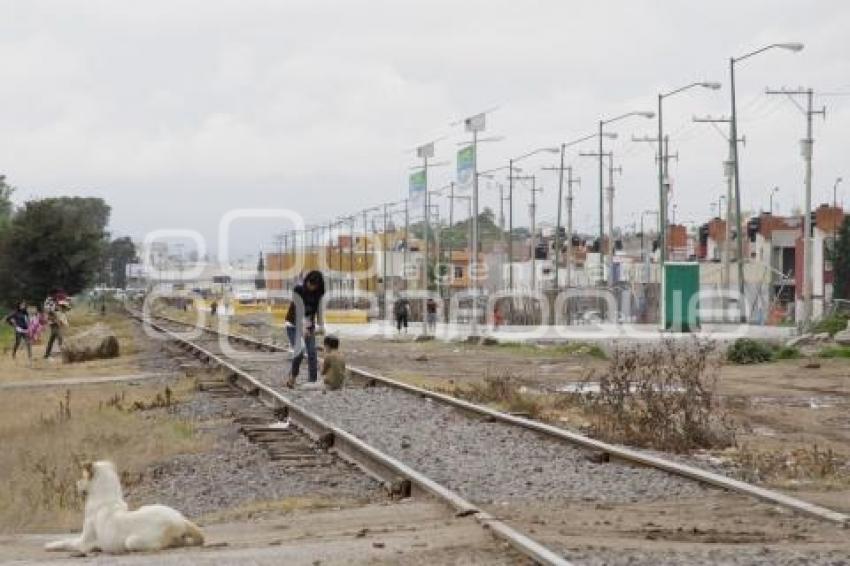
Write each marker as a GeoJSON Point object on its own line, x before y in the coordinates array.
{"type": "Point", "coordinates": [841, 262]}
{"type": "Point", "coordinates": [260, 281]}
{"type": "Point", "coordinates": [53, 243]}
{"type": "Point", "coordinates": [120, 252]}
{"type": "Point", "coordinates": [5, 203]}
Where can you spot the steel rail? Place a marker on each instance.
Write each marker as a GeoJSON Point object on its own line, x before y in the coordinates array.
{"type": "Point", "coordinates": [617, 451]}
{"type": "Point", "coordinates": [372, 461]}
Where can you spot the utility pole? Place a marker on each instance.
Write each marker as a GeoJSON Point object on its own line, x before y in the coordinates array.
{"type": "Point", "coordinates": [406, 241]}
{"type": "Point", "coordinates": [384, 265]}
{"type": "Point", "coordinates": [352, 219]}
{"type": "Point", "coordinates": [569, 234]}
{"type": "Point", "coordinates": [601, 157]}
{"type": "Point", "coordinates": [366, 247]}
{"type": "Point", "coordinates": [561, 169]}
{"type": "Point", "coordinates": [807, 145]}
{"type": "Point", "coordinates": [736, 163]}
{"type": "Point", "coordinates": [534, 191]}
{"type": "Point", "coordinates": [611, 171]}
{"type": "Point", "coordinates": [451, 228]}
{"type": "Point", "coordinates": [729, 175]}
{"type": "Point", "coordinates": [511, 224]}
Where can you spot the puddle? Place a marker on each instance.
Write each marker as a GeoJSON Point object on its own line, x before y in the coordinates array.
{"type": "Point", "coordinates": [593, 387]}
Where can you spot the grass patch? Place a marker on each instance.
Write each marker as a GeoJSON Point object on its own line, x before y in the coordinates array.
{"type": "Point", "coordinates": [502, 392]}
{"type": "Point", "coordinates": [792, 467]}
{"type": "Point", "coordinates": [745, 351]}
{"type": "Point", "coordinates": [748, 351]}
{"type": "Point", "coordinates": [834, 352]}
{"type": "Point", "coordinates": [7, 337]}
{"type": "Point", "coordinates": [45, 438]}
{"type": "Point", "coordinates": [787, 353]}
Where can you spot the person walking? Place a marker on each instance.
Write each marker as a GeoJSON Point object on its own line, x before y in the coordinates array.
{"type": "Point", "coordinates": [58, 321]}
{"type": "Point", "coordinates": [401, 311]}
{"type": "Point", "coordinates": [431, 315]}
{"type": "Point", "coordinates": [304, 320]}
{"type": "Point", "coordinates": [19, 319]}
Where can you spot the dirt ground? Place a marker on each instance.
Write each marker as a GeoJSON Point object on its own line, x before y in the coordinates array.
{"type": "Point", "coordinates": [417, 533]}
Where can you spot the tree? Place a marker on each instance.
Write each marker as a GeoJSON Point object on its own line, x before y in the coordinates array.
{"type": "Point", "coordinates": [5, 203]}
{"type": "Point", "coordinates": [841, 262]}
{"type": "Point", "coordinates": [120, 252]}
{"type": "Point", "coordinates": [260, 281]}
{"type": "Point", "coordinates": [53, 243]}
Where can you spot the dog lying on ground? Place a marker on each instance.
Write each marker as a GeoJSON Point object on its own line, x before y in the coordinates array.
{"type": "Point", "coordinates": [110, 527]}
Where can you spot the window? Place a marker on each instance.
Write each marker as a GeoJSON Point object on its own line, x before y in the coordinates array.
{"type": "Point", "coordinates": [458, 272]}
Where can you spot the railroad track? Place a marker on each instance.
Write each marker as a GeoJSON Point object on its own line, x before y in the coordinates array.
{"type": "Point", "coordinates": [445, 447]}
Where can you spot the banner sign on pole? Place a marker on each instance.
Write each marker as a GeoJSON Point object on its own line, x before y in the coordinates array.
{"type": "Point", "coordinates": [465, 166]}
{"type": "Point", "coordinates": [418, 186]}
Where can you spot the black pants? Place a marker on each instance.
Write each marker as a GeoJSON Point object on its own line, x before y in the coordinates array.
{"type": "Point", "coordinates": [401, 320]}
{"type": "Point", "coordinates": [55, 336]}
{"type": "Point", "coordinates": [20, 337]}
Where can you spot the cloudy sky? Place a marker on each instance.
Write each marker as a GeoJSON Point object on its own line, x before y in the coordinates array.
{"type": "Point", "coordinates": [179, 111]}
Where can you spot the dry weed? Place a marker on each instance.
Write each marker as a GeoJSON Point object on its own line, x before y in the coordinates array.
{"type": "Point", "coordinates": [46, 437]}
{"type": "Point", "coordinates": [661, 397]}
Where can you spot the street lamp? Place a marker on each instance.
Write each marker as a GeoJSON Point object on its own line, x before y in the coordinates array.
{"type": "Point", "coordinates": [602, 124]}
{"type": "Point", "coordinates": [733, 140]}
{"type": "Point", "coordinates": [835, 192]}
{"type": "Point", "coordinates": [511, 170]}
{"type": "Point", "coordinates": [561, 168]}
{"type": "Point", "coordinates": [773, 191]}
{"type": "Point", "coordinates": [663, 181]}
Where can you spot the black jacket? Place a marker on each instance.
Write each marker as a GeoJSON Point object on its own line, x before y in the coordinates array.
{"type": "Point", "coordinates": [311, 300]}
{"type": "Point", "coordinates": [19, 319]}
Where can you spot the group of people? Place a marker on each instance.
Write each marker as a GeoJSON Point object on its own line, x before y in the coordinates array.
{"type": "Point", "coordinates": [29, 326]}
{"type": "Point", "coordinates": [401, 313]}
{"type": "Point", "coordinates": [304, 322]}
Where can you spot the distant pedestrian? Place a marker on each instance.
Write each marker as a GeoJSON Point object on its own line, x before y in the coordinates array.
{"type": "Point", "coordinates": [19, 319]}
{"type": "Point", "coordinates": [333, 368]}
{"type": "Point", "coordinates": [304, 320]}
{"type": "Point", "coordinates": [498, 319]}
{"type": "Point", "coordinates": [213, 307]}
{"type": "Point", "coordinates": [58, 321]}
{"type": "Point", "coordinates": [431, 315]}
{"type": "Point", "coordinates": [401, 312]}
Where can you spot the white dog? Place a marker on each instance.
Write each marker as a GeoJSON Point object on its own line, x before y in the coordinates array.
{"type": "Point", "coordinates": [110, 527]}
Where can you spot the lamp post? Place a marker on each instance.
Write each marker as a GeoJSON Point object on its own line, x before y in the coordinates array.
{"type": "Point", "coordinates": [773, 191]}
{"type": "Point", "coordinates": [663, 183]}
{"type": "Point", "coordinates": [601, 155]}
{"type": "Point", "coordinates": [733, 140]}
{"type": "Point", "coordinates": [570, 181]}
{"type": "Point", "coordinates": [511, 170]}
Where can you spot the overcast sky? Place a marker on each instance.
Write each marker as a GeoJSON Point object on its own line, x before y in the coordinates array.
{"type": "Point", "coordinates": [178, 111]}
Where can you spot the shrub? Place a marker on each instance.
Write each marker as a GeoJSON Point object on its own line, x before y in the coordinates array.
{"type": "Point", "coordinates": [786, 353]}
{"type": "Point", "coordinates": [748, 351]}
{"type": "Point", "coordinates": [662, 397]}
{"type": "Point", "coordinates": [832, 323]}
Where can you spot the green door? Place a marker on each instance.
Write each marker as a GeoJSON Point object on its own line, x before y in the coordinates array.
{"type": "Point", "coordinates": [681, 296]}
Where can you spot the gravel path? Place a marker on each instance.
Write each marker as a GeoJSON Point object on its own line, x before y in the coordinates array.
{"type": "Point", "coordinates": [235, 472]}
{"type": "Point", "coordinates": [486, 462]}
